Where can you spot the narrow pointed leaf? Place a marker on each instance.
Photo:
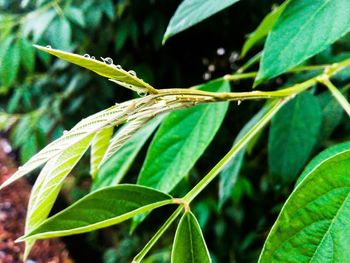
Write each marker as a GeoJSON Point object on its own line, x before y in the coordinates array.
{"type": "Point", "coordinates": [83, 129]}
{"type": "Point", "coordinates": [99, 146]}
{"type": "Point", "coordinates": [115, 168]}
{"type": "Point", "coordinates": [181, 140]}
{"type": "Point", "coordinates": [102, 208]}
{"type": "Point", "coordinates": [109, 71]}
{"type": "Point", "coordinates": [10, 64]}
{"type": "Point", "coordinates": [189, 245]}
{"type": "Point", "coordinates": [293, 134]}
{"type": "Point", "coordinates": [263, 29]}
{"type": "Point", "coordinates": [304, 29]}
{"type": "Point", "coordinates": [314, 224]}
{"type": "Point", "coordinates": [191, 12]}
{"type": "Point", "coordinates": [49, 183]}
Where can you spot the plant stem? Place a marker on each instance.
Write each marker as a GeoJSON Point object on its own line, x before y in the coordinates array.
{"type": "Point", "coordinates": [337, 94]}
{"type": "Point", "coordinates": [157, 235]}
{"type": "Point", "coordinates": [235, 149]}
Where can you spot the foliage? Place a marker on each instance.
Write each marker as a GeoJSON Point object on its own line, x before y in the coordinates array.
{"type": "Point", "coordinates": [307, 42]}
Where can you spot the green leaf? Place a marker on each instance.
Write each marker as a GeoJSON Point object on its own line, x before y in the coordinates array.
{"type": "Point", "coordinates": [189, 245]}
{"type": "Point", "coordinates": [10, 64]}
{"type": "Point", "coordinates": [105, 207]}
{"type": "Point", "coordinates": [313, 225]}
{"type": "Point", "coordinates": [38, 24]}
{"type": "Point", "coordinates": [229, 175]}
{"type": "Point", "coordinates": [115, 168]}
{"type": "Point", "coordinates": [29, 148]}
{"type": "Point", "coordinates": [27, 53]}
{"type": "Point", "coordinates": [75, 15]}
{"type": "Point", "coordinates": [181, 140]}
{"type": "Point", "coordinates": [322, 157]}
{"type": "Point", "coordinates": [263, 29]}
{"type": "Point", "coordinates": [332, 113]}
{"type": "Point", "coordinates": [49, 183]}
{"type": "Point", "coordinates": [99, 146]}
{"type": "Point", "coordinates": [60, 33]}
{"type": "Point", "coordinates": [304, 29]}
{"type": "Point", "coordinates": [293, 134]}
{"type": "Point", "coordinates": [118, 75]}
{"type": "Point", "coordinates": [191, 12]}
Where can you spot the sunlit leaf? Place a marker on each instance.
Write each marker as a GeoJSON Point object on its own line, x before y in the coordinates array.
{"type": "Point", "coordinates": [114, 169]}
{"type": "Point", "coordinates": [99, 146]}
{"type": "Point", "coordinates": [102, 208]}
{"type": "Point", "coordinates": [125, 78]}
{"type": "Point", "coordinates": [181, 140]}
{"type": "Point", "coordinates": [49, 183]}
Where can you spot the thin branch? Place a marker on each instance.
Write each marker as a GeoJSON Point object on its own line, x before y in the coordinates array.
{"type": "Point", "coordinates": [336, 93]}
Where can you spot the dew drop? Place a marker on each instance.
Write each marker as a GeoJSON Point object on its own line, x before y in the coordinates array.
{"type": "Point", "coordinates": [92, 57]}
{"type": "Point", "coordinates": [118, 67]}
{"type": "Point", "coordinates": [86, 56]}
{"type": "Point", "coordinates": [48, 46]}
{"type": "Point", "coordinates": [142, 93]}
{"type": "Point", "coordinates": [107, 60]}
{"type": "Point", "coordinates": [20, 168]}
{"type": "Point", "coordinates": [65, 132]}
{"type": "Point", "coordinates": [239, 102]}
{"type": "Point", "coordinates": [131, 72]}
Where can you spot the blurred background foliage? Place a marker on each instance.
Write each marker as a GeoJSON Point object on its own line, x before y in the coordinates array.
{"type": "Point", "coordinates": [42, 96]}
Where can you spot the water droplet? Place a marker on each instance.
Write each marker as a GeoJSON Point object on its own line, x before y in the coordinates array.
{"type": "Point", "coordinates": [65, 132]}
{"type": "Point", "coordinates": [86, 56]}
{"type": "Point", "coordinates": [118, 67]}
{"type": "Point", "coordinates": [142, 93]}
{"type": "Point", "coordinates": [131, 72]}
{"type": "Point", "coordinates": [48, 46]}
{"type": "Point", "coordinates": [92, 57]}
{"type": "Point", "coordinates": [107, 60]}
{"type": "Point", "coordinates": [20, 168]}
{"type": "Point", "coordinates": [239, 102]}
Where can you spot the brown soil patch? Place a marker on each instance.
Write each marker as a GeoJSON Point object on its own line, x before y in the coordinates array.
{"type": "Point", "coordinates": [13, 206]}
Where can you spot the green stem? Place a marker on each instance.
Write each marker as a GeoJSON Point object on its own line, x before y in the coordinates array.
{"type": "Point", "coordinates": [157, 235]}
{"type": "Point", "coordinates": [337, 94]}
{"type": "Point", "coordinates": [235, 149]}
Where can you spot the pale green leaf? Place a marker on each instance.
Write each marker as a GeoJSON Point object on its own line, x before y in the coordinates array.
{"type": "Point", "coordinates": [181, 140]}
{"type": "Point", "coordinates": [189, 244]}
{"type": "Point", "coordinates": [293, 134]}
{"type": "Point", "coordinates": [102, 208]}
{"type": "Point", "coordinates": [115, 168]}
{"type": "Point", "coordinates": [75, 15]}
{"type": "Point", "coordinates": [122, 136]}
{"type": "Point", "coordinates": [263, 29]}
{"type": "Point", "coordinates": [37, 23]}
{"type": "Point", "coordinates": [49, 183]}
{"type": "Point", "coordinates": [191, 12]}
{"type": "Point", "coordinates": [60, 33]}
{"type": "Point", "coordinates": [304, 29]}
{"type": "Point", "coordinates": [313, 225]}
{"type": "Point", "coordinates": [106, 118]}
{"type": "Point", "coordinates": [111, 71]}
{"type": "Point", "coordinates": [99, 146]}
